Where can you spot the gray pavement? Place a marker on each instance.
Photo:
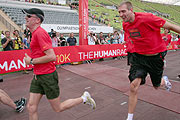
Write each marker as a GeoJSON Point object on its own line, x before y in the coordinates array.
{"type": "Point", "coordinates": [108, 84]}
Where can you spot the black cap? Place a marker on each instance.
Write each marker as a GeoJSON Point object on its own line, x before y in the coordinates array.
{"type": "Point", "coordinates": [39, 13]}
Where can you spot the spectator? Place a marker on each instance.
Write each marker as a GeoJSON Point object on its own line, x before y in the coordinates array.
{"type": "Point", "coordinates": [54, 40]}
{"type": "Point", "coordinates": [71, 41]}
{"type": "Point", "coordinates": [121, 37]}
{"type": "Point", "coordinates": [17, 41]}
{"type": "Point", "coordinates": [18, 105]}
{"type": "Point", "coordinates": [27, 33]}
{"type": "Point", "coordinates": [101, 40]}
{"type": "Point", "coordinates": [2, 35]}
{"type": "Point", "coordinates": [178, 42]}
{"type": "Point", "coordinates": [57, 36]}
{"type": "Point", "coordinates": [26, 40]}
{"type": "Point", "coordinates": [7, 42]}
{"type": "Point", "coordinates": [50, 33]}
{"type": "Point", "coordinates": [166, 37]}
{"type": "Point", "coordinates": [62, 40]}
{"type": "Point", "coordinates": [91, 39]}
{"type": "Point", "coordinates": [97, 41]}
{"type": "Point", "coordinates": [115, 38]}
{"type": "Point", "coordinates": [108, 38]}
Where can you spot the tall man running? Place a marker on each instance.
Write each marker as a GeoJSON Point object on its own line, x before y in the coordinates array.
{"type": "Point", "coordinates": [45, 79]}
{"type": "Point", "coordinates": [148, 52]}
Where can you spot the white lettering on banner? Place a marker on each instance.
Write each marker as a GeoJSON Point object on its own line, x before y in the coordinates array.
{"type": "Point", "coordinates": [21, 63]}
{"type": "Point", "coordinates": [101, 54]}
{"type": "Point", "coordinates": [96, 54]}
{"type": "Point", "coordinates": [91, 54]}
{"type": "Point", "coordinates": [4, 66]}
{"type": "Point", "coordinates": [12, 65]}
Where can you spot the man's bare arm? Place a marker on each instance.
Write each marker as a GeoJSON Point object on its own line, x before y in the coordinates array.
{"type": "Point", "coordinates": [172, 27]}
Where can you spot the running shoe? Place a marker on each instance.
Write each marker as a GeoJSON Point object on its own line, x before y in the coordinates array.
{"type": "Point", "coordinates": [20, 104]}
{"type": "Point", "coordinates": [89, 100]}
{"type": "Point", "coordinates": [168, 85]}
{"type": "Point", "coordinates": [178, 76]}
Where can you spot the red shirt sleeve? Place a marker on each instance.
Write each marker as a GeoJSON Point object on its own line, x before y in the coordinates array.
{"type": "Point", "coordinates": [154, 22]}
{"type": "Point", "coordinates": [44, 41]}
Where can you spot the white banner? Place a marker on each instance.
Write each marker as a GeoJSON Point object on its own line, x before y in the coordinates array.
{"type": "Point", "coordinates": [63, 2]}
{"type": "Point", "coordinates": [75, 28]}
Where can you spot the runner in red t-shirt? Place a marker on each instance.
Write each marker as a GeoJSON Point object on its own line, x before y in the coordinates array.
{"type": "Point", "coordinates": [178, 42]}
{"type": "Point", "coordinates": [45, 79]}
{"type": "Point", "coordinates": [148, 51]}
{"type": "Point", "coordinates": [166, 37]}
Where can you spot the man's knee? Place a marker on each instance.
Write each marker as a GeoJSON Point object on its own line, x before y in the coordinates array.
{"type": "Point", "coordinates": [135, 85]}
{"type": "Point", "coordinates": [31, 108]}
{"type": "Point", "coordinates": [58, 108]}
{"type": "Point", "coordinates": [133, 88]}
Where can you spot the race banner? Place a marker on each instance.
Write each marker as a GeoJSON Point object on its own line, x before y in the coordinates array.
{"type": "Point", "coordinates": [14, 60]}
{"type": "Point", "coordinates": [83, 22]}
{"type": "Point", "coordinates": [11, 61]}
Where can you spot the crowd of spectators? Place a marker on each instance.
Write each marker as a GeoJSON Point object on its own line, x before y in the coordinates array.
{"type": "Point", "coordinates": [110, 38]}
{"type": "Point", "coordinates": [15, 41]}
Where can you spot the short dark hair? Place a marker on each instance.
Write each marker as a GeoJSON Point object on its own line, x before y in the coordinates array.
{"type": "Point", "coordinates": [128, 4]}
{"type": "Point", "coordinates": [7, 31]}
{"type": "Point", "coordinates": [16, 31]}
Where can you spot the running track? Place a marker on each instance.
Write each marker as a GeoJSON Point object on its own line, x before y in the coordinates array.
{"type": "Point", "coordinates": [107, 82]}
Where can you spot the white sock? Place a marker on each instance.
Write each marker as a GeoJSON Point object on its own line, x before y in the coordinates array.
{"type": "Point", "coordinates": [84, 98]}
{"type": "Point", "coordinates": [130, 116]}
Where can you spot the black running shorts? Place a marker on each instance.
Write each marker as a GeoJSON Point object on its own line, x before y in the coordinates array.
{"type": "Point", "coordinates": [142, 65]}
{"type": "Point", "coordinates": [129, 58]}
{"type": "Point", "coordinates": [46, 84]}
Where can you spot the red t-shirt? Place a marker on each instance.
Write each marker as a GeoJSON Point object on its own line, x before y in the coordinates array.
{"type": "Point", "coordinates": [129, 45]}
{"type": "Point", "coordinates": [166, 38]}
{"type": "Point", "coordinates": [40, 42]}
{"type": "Point", "coordinates": [144, 33]}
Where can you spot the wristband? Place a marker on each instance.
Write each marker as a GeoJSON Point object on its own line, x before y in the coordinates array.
{"type": "Point", "coordinates": [31, 61]}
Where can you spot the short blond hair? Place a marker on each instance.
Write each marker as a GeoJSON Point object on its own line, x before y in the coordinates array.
{"type": "Point", "coordinates": [128, 4]}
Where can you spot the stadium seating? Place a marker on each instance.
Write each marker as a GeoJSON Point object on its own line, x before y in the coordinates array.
{"type": "Point", "coordinates": [51, 17]}
{"type": "Point", "coordinates": [98, 7]}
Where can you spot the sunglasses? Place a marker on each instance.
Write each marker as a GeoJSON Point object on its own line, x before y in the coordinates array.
{"type": "Point", "coordinates": [29, 16]}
